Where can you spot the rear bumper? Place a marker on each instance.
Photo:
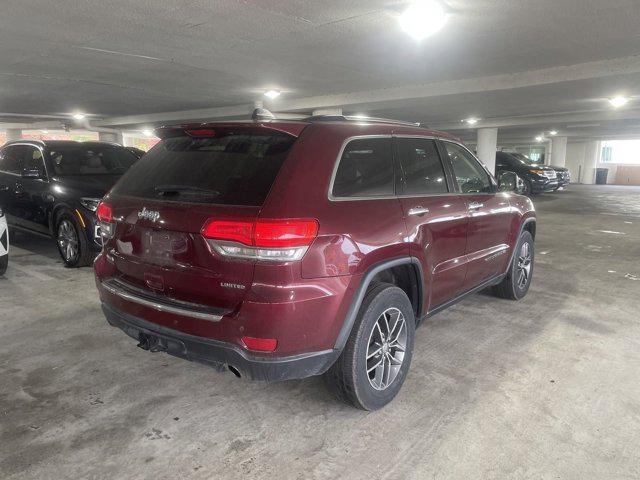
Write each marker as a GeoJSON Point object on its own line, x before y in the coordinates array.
{"type": "Point", "coordinates": [220, 355]}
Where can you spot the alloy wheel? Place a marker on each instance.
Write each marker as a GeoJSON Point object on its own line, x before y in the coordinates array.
{"type": "Point", "coordinates": [524, 265]}
{"type": "Point", "coordinates": [386, 348]}
{"type": "Point", "coordinates": [68, 240]}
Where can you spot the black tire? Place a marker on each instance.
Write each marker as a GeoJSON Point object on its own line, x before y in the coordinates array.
{"type": "Point", "coordinates": [511, 286]}
{"type": "Point", "coordinates": [4, 262]}
{"type": "Point", "coordinates": [84, 255]}
{"type": "Point", "coordinates": [348, 378]}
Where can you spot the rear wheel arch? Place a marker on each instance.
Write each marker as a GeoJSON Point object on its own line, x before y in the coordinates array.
{"type": "Point", "coordinates": [405, 273]}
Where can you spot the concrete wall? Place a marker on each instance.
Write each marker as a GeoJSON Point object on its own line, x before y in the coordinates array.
{"type": "Point", "coordinates": [575, 159]}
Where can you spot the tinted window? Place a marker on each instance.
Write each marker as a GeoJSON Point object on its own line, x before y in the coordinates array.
{"type": "Point", "coordinates": [34, 161]}
{"type": "Point", "coordinates": [423, 171]}
{"type": "Point", "coordinates": [365, 169]}
{"type": "Point", "coordinates": [232, 168]}
{"type": "Point", "coordinates": [470, 175]}
{"type": "Point", "coordinates": [12, 158]}
{"type": "Point", "coordinates": [73, 160]}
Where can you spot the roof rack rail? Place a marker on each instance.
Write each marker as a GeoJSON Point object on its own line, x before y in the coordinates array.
{"type": "Point", "coordinates": [357, 118]}
{"type": "Point", "coordinates": [262, 114]}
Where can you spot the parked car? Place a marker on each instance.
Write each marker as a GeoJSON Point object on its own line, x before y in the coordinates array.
{"type": "Point", "coordinates": [53, 188]}
{"type": "Point", "coordinates": [537, 178]}
{"type": "Point", "coordinates": [282, 250]}
{"type": "Point", "coordinates": [563, 174]}
{"type": "Point", "coordinates": [4, 243]}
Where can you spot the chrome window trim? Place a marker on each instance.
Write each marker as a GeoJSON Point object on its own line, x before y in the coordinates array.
{"type": "Point", "coordinates": [336, 164]}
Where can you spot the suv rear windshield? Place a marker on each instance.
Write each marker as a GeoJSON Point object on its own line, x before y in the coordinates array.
{"type": "Point", "coordinates": [90, 160]}
{"type": "Point", "coordinates": [232, 168]}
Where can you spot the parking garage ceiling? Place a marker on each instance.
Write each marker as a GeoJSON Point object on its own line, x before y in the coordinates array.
{"type": "Point", "coordinates": [530, 65]}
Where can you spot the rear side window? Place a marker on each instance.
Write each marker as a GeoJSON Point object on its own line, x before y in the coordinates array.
{"type": "Point", "coordinates": [232, 168]}
{"type": "Point", "coordinates": [365, 169]}
{"type": "Point", "coordinates": [423, 170]}
{"type": "Point", "coordinates": [76, 160]}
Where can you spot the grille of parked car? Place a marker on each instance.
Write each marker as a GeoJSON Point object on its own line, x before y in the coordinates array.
{"type": "Point", "coordinates": [550, 174]}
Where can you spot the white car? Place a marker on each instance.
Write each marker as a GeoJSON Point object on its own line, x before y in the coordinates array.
{"type": "Point", "coordinates": [4, 243]}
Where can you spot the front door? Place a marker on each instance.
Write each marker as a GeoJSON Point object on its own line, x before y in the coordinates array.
{"type": "Point", "coordinates": [31, 194]}
{"type": "Point", "coordinates": [435, 216]}
{"type": "Point", "coordinates": [489, 216]}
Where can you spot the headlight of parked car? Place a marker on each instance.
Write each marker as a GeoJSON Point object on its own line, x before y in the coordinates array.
{"type": "Point", "coordinates": [90, 204]}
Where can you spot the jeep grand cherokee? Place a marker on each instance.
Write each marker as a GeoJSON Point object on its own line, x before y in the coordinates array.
{"type": "Point", "coordinates": [283, 250]}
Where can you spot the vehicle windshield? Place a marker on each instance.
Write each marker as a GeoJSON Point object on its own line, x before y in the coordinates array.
{"type": "Point", "coordinates": [75, 160]}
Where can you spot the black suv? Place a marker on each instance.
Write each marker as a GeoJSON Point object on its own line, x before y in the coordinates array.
{"type": "Point", "coordinates": [537, 177]}
{"type": "Point", "coordinates": [53, 188]}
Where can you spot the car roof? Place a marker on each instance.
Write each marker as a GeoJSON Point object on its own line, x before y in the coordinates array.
{"type": "Point", "coordinates": [295, 127]}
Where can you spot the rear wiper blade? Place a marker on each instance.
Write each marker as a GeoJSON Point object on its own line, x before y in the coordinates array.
{"type": "Point", "coordinates": [181, 189]}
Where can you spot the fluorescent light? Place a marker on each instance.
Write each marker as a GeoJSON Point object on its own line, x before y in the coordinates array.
{"type": "Point", "coordinates": [539, 138]}
{"type": "Point", "coordinates": [471, 120]}
{"type": "Point", "coordinates": [423, 18]}
{"type": "Point", "coordinates": [147, 132]}
{"type": "Point", "coordinates": [618, 101]}
{"type": "Point", "coordinates": [272, 94]}
{"type": "Point", "coordinates": [553, 132]}
{"type": "Point", "coordinates": [79, 116]}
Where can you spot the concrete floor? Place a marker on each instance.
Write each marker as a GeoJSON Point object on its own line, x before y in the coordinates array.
{"type": "Point", "coordinates": [544, 388]}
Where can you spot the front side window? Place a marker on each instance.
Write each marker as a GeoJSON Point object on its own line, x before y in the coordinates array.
{"type": "Point", "coordinates": [423, 170]}
{"type": "Point", "coordinates": [78, 160]}
{"type": "Point", "coordinates": [33, 161]}
{"type": "Point", "coordinates": [470, 175]}
{"type": "Point", "coordinates": [12, 159]}
{"type": "Point", "coordinates": [365, 169]}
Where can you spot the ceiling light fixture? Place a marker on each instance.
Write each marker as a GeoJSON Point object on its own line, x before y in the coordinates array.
{"type": "Point", "coordinates": [553, 133]}
{"type": "Point", "coordinates": [44, 131]}
{"type": "Point", "coordinates": [471, 120]}
{"type": "Point", "coordinates": [147, 132]}
{"type": "Point", "coordinates": [79, 116]}
{"type": "Point", "coordinates": [272, 94]}
{"type": "Point", "coordinates": [539, 138]}
{"type": "Point", "coordinates": [619, 101]}
{"type": "Point", "coordinates": [423, 18]}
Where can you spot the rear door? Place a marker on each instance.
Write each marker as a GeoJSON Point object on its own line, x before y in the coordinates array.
{"type": "Point", "coordinates": [435, 216]}
{"type": "Point", "coordinates": [166, 198]}
{"type": "Point", "coordinates": [489, 216]}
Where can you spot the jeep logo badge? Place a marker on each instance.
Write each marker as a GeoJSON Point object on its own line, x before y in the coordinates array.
{"type": "Point", "coordinates": [151, 215]}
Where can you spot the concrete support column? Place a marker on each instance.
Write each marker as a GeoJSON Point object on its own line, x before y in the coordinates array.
{"type": "Point", "coordinates": [558, 151]}
{"type": "Point", "coordinates": [115, 137]}
{"type": "Point", "coordinates": [487, 147]}
{"type": "Point", "coordinates": [327, 111]}
{"type": "Point", "coordinates": [591, 156]}
{"type": "Point", "coordinates": [14, 134]}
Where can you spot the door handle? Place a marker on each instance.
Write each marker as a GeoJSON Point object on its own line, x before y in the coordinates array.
{"type": "Point", "coordinates": [475, 205]}
{"type": "Point", "coordinates": [419, 211]}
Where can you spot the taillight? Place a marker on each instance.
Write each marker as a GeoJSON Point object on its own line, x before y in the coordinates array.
{"type": "Point", "coordinates": [260, 344]}
{"type": "Point", "coordinates": [270, 240]}
{"type": "Point", "coordinates": [229, 230]}
{"type": "Point", "coordinates": [104, 212]}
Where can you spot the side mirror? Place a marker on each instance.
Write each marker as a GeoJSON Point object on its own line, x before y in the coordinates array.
{"type": "Point", "coordinates": [510, 182]}
{"type": "Point", "coordinates": [32, 173]}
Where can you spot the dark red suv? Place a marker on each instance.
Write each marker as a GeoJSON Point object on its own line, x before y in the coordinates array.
{"type": "Point", "coordinates": [282, 250]}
